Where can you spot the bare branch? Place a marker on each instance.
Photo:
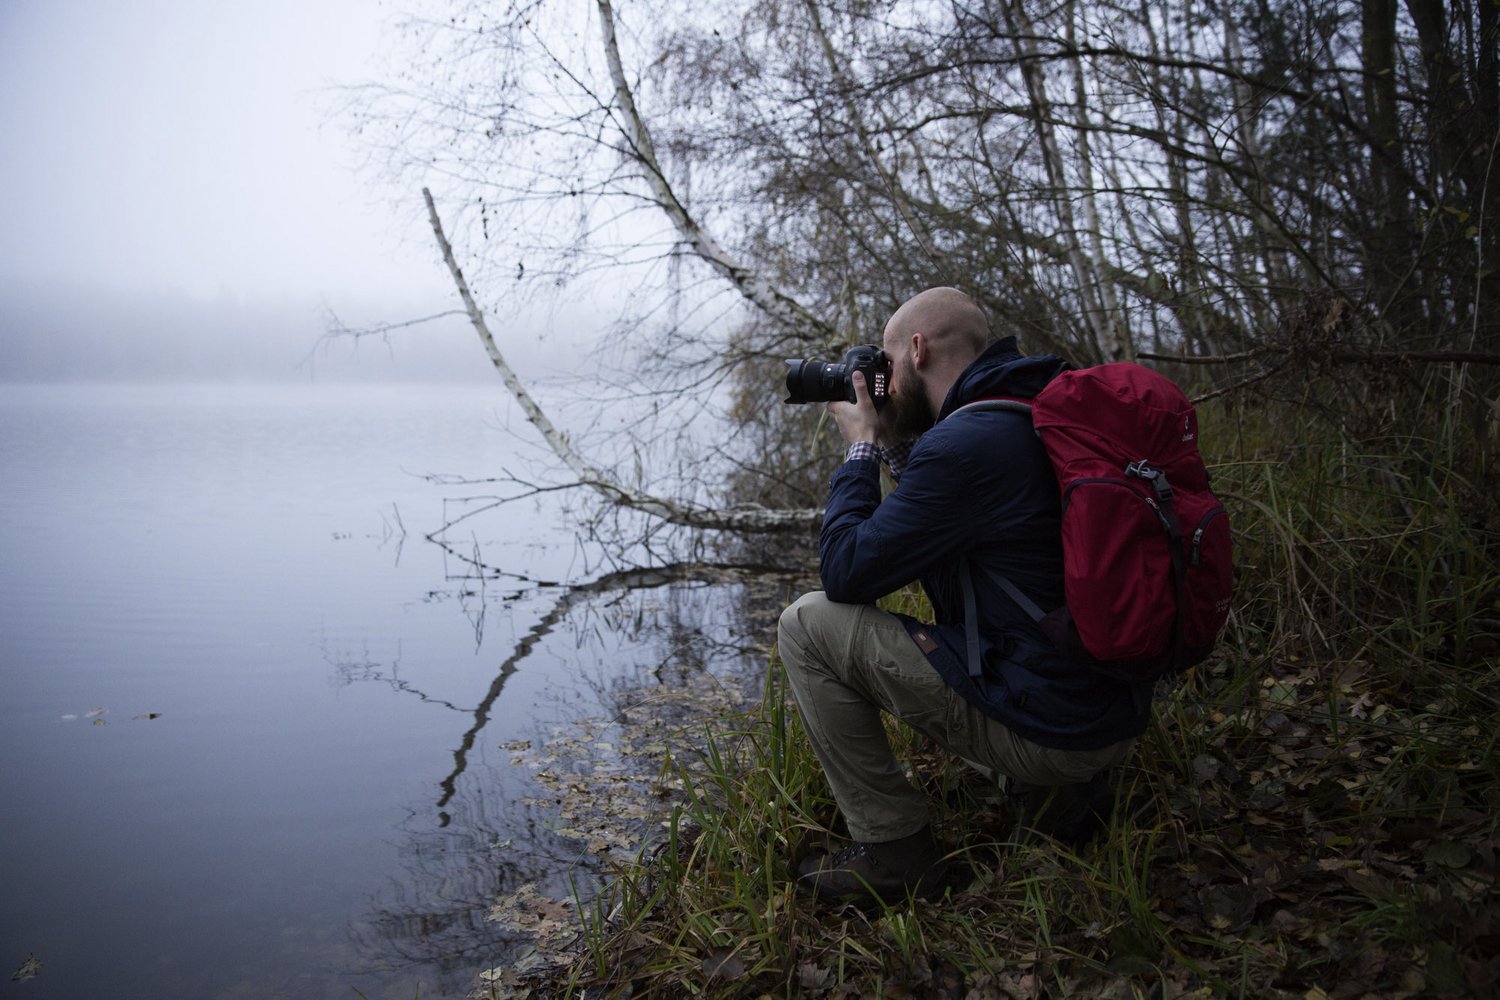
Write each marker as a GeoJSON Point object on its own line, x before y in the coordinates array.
{"type": "Point", "coordinates": [1342, 357]}
{"type": "Point", "coordinates": [338, 328]}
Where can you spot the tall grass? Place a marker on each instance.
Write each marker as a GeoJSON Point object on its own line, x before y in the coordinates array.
{"type": "Point", "coordinates": [1314, 806]}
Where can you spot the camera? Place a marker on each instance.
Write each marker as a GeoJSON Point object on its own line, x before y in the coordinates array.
{"type": "Point", "coordinates": [810, 381]}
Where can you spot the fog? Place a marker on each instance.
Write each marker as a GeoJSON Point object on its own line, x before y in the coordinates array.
{"type": "Point", "coordinates": [55, 331]}
{"type": "Point", "coordinates": [180, 203]}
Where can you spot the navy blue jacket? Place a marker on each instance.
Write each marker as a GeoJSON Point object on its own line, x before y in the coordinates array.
{"type": "Point", "coordinates": [979, 485]}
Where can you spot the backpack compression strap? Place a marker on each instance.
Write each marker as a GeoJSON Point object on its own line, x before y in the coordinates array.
{"type": "Point", "coordinates": [971, 616]}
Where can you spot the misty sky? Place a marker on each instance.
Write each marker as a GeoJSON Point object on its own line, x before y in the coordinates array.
{"type": "Point", "coordinates": [157, 154]}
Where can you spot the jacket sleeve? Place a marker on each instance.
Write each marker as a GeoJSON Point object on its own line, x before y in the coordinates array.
{"type": "Point", "coordinates": [869, 547]}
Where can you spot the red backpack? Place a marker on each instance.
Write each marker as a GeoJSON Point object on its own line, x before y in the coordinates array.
{"type": "Point", "coordinates": [1146, 549]}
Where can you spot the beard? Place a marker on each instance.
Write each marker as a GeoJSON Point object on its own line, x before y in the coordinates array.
{"type": "Point", "coordinates": [910, 416]}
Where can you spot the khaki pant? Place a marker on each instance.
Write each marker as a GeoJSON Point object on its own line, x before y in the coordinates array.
{"type": "Point", "coordinates": [847, 662]}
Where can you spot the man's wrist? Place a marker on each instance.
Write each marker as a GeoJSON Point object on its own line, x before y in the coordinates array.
{"type": "Point", "coordinates": [859, 450]}
{"type": "Point", "coordinates": [895, 456]}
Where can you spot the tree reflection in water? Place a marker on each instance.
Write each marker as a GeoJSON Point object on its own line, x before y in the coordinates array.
{"type": "Point", "coordinates": [658, 650]}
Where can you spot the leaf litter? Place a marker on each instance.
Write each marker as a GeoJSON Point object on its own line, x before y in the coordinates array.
{"type": "Point", "coordinates": [602, 784]}
{"type": "Point", "coordinates": [1323, 838]}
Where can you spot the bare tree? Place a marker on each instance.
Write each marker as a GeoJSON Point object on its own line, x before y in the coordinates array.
{"type": "Point", "coordinates": [1284, 179]}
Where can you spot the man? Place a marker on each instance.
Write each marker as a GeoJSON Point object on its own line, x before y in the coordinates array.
{"type": "Point", "coordinates": [975, 497]}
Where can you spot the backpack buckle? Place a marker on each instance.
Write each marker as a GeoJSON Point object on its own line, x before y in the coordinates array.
{"type": "Point", "coordinates": [1158, 479]}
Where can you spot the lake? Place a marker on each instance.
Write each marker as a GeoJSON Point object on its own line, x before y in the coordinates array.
{"type": "Point", "coordinates": [261, 737]}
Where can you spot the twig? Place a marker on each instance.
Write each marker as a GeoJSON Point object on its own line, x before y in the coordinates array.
{"type": "Point", "coordinates": [337, 328]}
{"type": "Point", "coordinates": [1343, 357]}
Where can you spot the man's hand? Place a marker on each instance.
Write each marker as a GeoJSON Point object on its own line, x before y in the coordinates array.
{"type": "Point", "coordinates": [858, 421]}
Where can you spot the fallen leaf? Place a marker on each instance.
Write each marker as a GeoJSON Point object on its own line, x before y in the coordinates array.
{"type": "Point", "coordinates": [1369, 884]}
{"type": "Point", "coordinates": [811, 977]}
{"type": "Point", "coordinates": [1285, 922]}
{"type": "Point", "coordinates": [1448, 853]}
{"type": "Point", "coordinates": [1227, 906]}
{"type": "Point", "coordinates": [723, 963]}
{"type": "Point", "coordinates": [528, 911]}
{"type": "Point", "coordinates": [28, 969]}
{"type": "Point", "coordinates": [1206, 767]}
{"type": "Point", "coordinates": [1130, 965]}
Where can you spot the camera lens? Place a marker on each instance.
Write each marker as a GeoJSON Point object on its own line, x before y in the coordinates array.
{"type": "Point", "coordinates": [810, 381]}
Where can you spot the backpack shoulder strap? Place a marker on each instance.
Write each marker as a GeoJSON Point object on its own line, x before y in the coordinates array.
{"type": "Point", "coordinates": [1013, 403]}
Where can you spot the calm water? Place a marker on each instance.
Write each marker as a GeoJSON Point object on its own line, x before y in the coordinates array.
{"type": "Point", "coordinates": [323, 799]}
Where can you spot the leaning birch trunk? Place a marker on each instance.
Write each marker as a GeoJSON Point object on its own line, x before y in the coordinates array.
{"type": "Point", "coordinates": [741, 519]}
{"type": "Point", "coordinates": [755, 288]}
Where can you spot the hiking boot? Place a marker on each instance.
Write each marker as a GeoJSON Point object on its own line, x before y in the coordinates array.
{"type": "Point", "coordinates": [884, 873]}
{"type": "Point", "coordinates": [1070, 814]}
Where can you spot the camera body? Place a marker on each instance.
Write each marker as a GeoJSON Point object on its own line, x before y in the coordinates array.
{"type": "Point", "coordinates": [809, 381]}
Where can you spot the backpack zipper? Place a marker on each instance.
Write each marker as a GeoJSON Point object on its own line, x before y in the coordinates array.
{"type": "Point", "coordinates": [1202, 527]}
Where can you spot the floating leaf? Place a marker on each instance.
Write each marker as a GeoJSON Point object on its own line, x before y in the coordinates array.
{"type": "Point", "coordinates": [28, 969]}
{"type": "Point", "coordinates": [147, 715]}
{"type": "Point", "coordinates": [528, 911]}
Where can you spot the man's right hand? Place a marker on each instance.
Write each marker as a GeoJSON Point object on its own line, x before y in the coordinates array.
{"type": "Point", "coordinates": [858, 421]}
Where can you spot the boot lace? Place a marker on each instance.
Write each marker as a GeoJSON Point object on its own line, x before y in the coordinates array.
{"type": "Point", "coordinates": [853, 852]}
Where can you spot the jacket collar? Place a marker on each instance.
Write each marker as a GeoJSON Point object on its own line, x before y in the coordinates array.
{"type": "Point", "coordinates": [1001, 370]}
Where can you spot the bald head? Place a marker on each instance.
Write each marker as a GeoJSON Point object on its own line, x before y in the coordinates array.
{"type": "Point", "coordinates": [930, 340]}
{"type": "Point", "coordinates": [953, 325]}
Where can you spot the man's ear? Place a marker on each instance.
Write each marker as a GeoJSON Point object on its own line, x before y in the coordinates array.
{"type": "Point", "coordinates": [919, 350]}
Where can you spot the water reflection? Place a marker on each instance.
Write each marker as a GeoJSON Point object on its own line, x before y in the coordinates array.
{"type": "Point", "coordinates": [655, 649]}
{"type": "Point", "coordinates": [255, 540]}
